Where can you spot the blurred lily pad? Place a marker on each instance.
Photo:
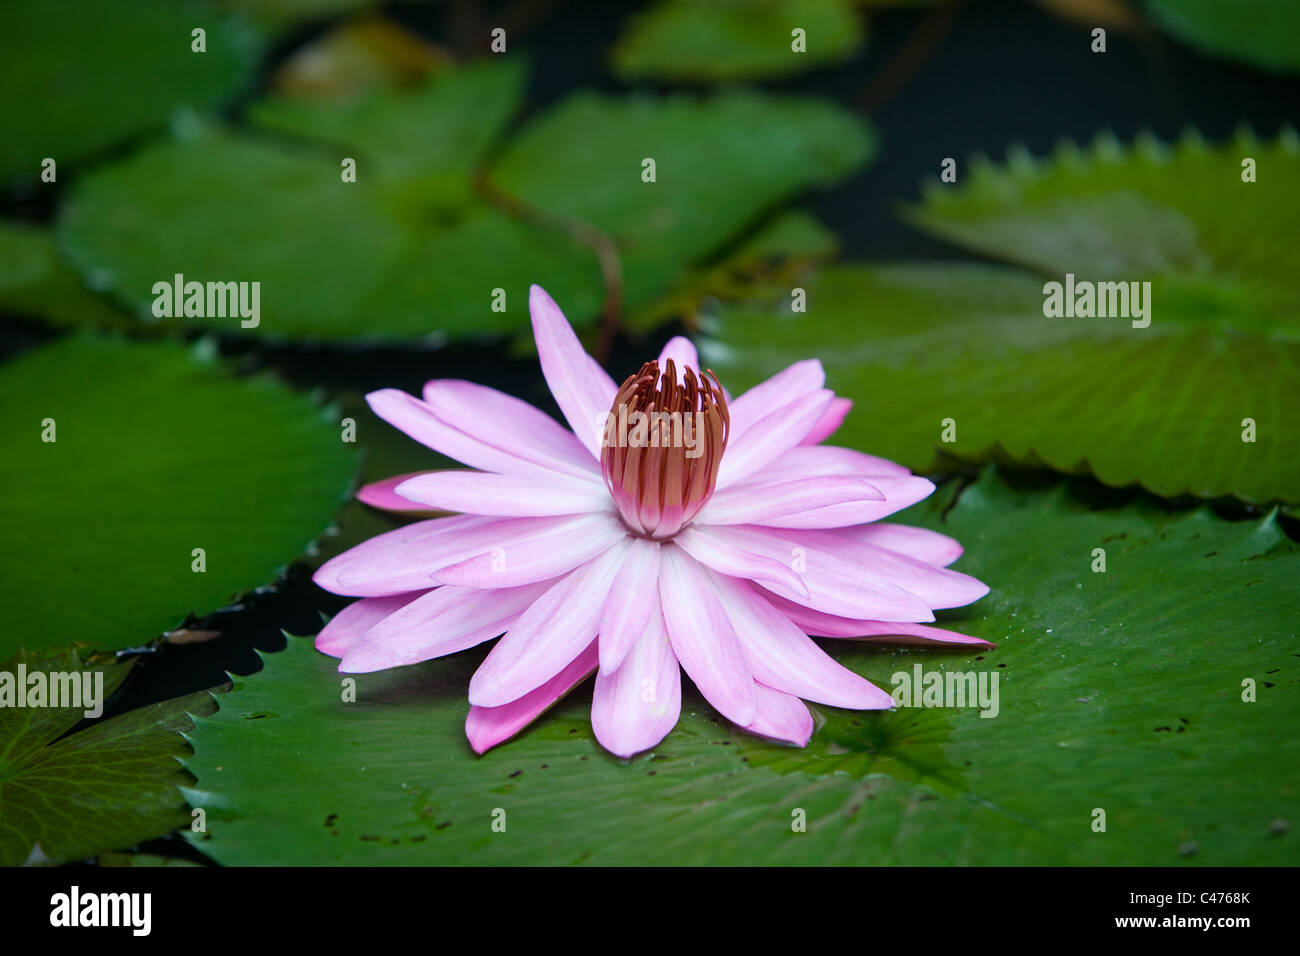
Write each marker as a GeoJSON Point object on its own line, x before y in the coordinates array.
{"type": "Point", "coordinates": [428, 137]}
{"type": "Point", "coordinates": [108, 787]}
{"type": "Point", "coordinates": [124, 459]}
{"type": "Point", "coordinates": [1260, 33]}
{"type": "Point", "coordinates": [34, 281]}
{"type": "Point", "coordinates": [775, 254]}
{"type": "Point", "coordinates": [361, 54]}
{"type": "Point", "coordinates": [960, 360]}
{"type": "Point", "coordinates": [719, 164]}
{"type": "Point", "coordinates": [1113, 693]}
{"type": "Point", "coordinates": [105, 70]}
{"type": "Point", "coordinates": [1215, 247]}
{"type": "Point", "coordinates": [717, 40]}
{"type": "Point", "coordinates": [418, 246]}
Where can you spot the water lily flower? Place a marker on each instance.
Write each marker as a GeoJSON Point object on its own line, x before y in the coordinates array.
{"type": "Point", "coordinates": [672, 528]}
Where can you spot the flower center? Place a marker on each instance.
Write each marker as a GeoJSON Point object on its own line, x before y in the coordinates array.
{"type": "Point", "coordinates": [661, 448]}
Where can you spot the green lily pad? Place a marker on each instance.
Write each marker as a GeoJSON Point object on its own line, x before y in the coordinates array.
{"type": "Point", "coordinates": [157, 452]}
{"type": "Point", "coordinates": [936, 352]}
{"type": "Point", "coordinates": [725, 40]}
{"type": "Point", "coordinates": [414, 248]}
{"type": "Point", "coordinates": [719, 164]}
{"type": "Point", "coordinates": [110, 786]}
{"type": "Point", "coordinates": [1260, 33]}
{"type": "Point", "coordinates": [1098, 673]}
{"type": "Point", "coordinates": [1215, 248]}
{"type": "Point", "coordinates": [431, 162]}
{"type": "Point", "coordinates": [69, 59]}
{"type": "Point", "coordinates": [35, 282]}
{"type": "Point", "coordinates": [776, 254]}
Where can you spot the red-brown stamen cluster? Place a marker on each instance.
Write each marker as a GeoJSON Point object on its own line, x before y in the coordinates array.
{"type": "Point", "coordinates": [662, 446]}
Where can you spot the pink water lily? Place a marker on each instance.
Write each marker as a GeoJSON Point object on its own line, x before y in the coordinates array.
{"type": "Point", "coordinates": [671, 526]}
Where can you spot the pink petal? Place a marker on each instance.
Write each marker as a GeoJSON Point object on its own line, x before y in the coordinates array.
{"type": "Point", "coordinates": [554, 550]}
{"type": "Point", "coordinates": [488, 726]}
{"type": "Point", "coordinates": [781, 717]}
{"type": "Point", "coordinates": [778, 392]}
{"type": "Point", "coordinates": [583, 391]}
{"type": "Point", "coordinates": [632, 599]}
{"type": "Point", "coordinates": [383, 495]}
{"type": "Point", "coordinates": [807, 461]}
{"type": "Point", "coordinates": [510, 425]}
{"type": "Point", "coordinates": [683, 354]}
{"type": "Point", "coordinates": [416, 419]}
{"type": "Point", "coordinates": [916, 634]}
{"type": "Point", "coordinates": [834, 585]}
{"type": "Point", "coordinates": [899, 493]}
{"type": "Point", "coordinates": [759, 502]}
{"type": "Point", "coordinates": [727, 557]}
{"type": "Point", "coordinates": [786, 659]}
{"type": "Point", "coordinates": [920, 543]}
{"type": "Point", "coordinates": [404, 558]}
{"type": "Point", "coordinates": [476, 492]}
{"type": "Point", "coordinates": [830, 421]}
{"type": "Point", "coordinates": [347, 626]}
{"type": "Point", "coordinates": [830, 625]}
{"type": "Point", "coordinates": [767, 439]}
{"type": "Point", "coordinates": [443, 621]}
{"type": "Point", "coordinates": [702, 637]}
{"type": "Point", "coordinates": [547, 636]}
{"type": "Point", "coordinates": [937, 587]}
{"type": "Point", "coordinates": [636, 706]}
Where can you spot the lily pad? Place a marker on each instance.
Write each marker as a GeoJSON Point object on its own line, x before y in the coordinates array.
{"type": "Point", "coordinates": [720, 163]}
{"type": "Point", "coordinates": [1119, 690]}
{"type": "Point", "coordinates": [110, 786]}
{"type": "Point", "coordinates": [724, 40]}
{"type": "Point", "coordinates": [156, 452]}
{"type": "Point", "coordinates": [428, 139]}
{"type": "Point", "coordinates": [416, 247]}
{"type": "Point", "coordinates": [1214, 247]}
{"type": "Point", "coordinates": [34, 281]}
{"type": "Point", "coordinates": [776, 254]}
{"type": "Point", "coordinates": [78, 78]}
{"type": "Point", "coordinates": [959, 360]}
{"type": "Point", "coordinates": [1260, 33]}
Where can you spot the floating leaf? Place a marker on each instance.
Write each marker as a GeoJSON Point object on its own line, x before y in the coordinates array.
{"type": "Point", "coordinates": [107, 787]}
{"type": "Point", "coordinates": [1216, 249]}
{"type": "Point", "coordinates": [1261, 33]}
{"type": "Point", "coordinates": [773, 255]}
{"type": "Point", "coordinates": [69, 58]}
{"type": "Point", "coordinates": [1119, 690]}
{"type": "Point", "coordinates": [412, 249]}
{"type": "Point", "coordinates": [157, 452]}
{"type": "Point", "coordinates": [719, 164]}
{"type": "Point", "coordinates": [428, 138]}
{"type": "Point", "coordinates": [34, 281]}
{"type": "Point", "coordinates": [736, 39]}
{"type": "Point", "coordinates": [363, 54]}
{"type": "Point", "coordinates": [918, 346]}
